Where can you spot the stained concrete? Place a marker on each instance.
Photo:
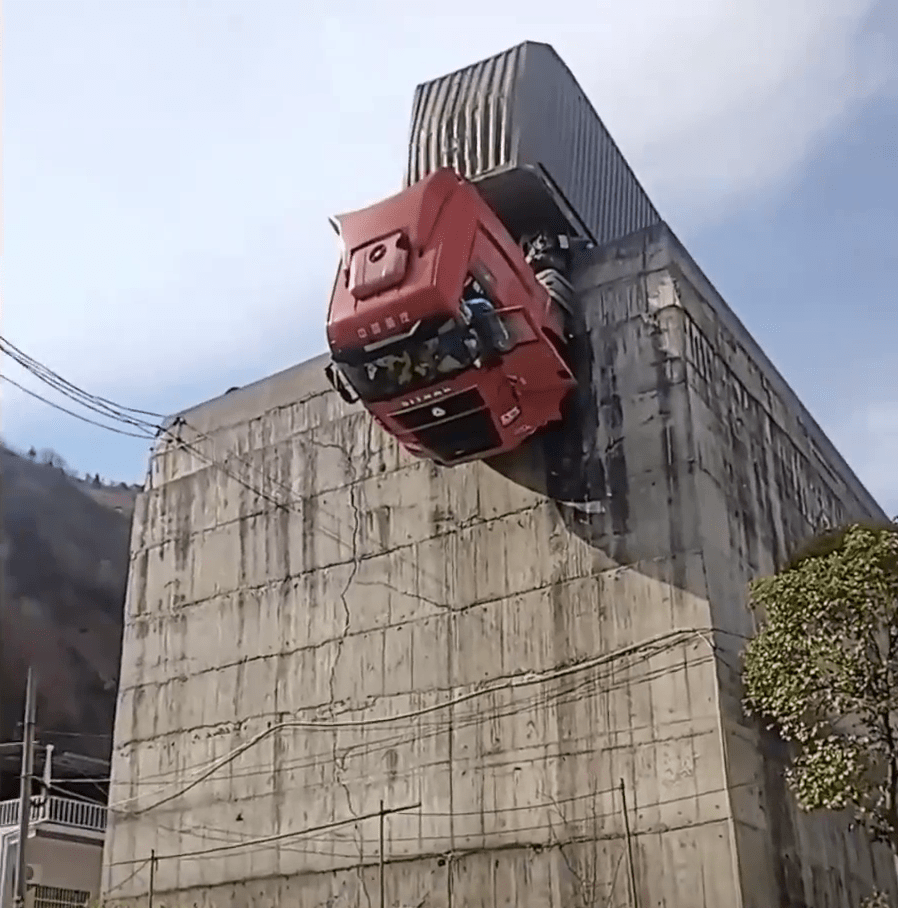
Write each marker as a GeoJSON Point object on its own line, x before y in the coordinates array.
{"type": "Point", "coordinates": [502, 644]}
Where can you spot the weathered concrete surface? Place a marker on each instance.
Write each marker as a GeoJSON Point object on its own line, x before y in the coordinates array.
{"type": "Point", "coordinates": [502, 643]}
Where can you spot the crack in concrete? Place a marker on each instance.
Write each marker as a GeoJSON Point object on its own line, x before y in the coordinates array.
{"type": "Point", "coordinates": [510, 710]}
{"type": "Point", "coordinates": [406, 593]}
{"type": "Point", "coordinates": [526, 846]}
{"type": "Point", "coordinates": [356, 532]}
{"type": "Point", "coordinates": [223, 463]}
{"type": "Point", "coordinates": [452, 530]}
{"type": "Point", "coordinates": [460, 609]}
{"type": "Point", "coordinates": [339, 760]}
{"type": "Point", "coordinates": [521, 752]}
{"type": "Point", "coordinates": [178, 445]}
{"type": "Point", "coordinates": [357, 835]}
{"type": "Point", "coordinates": [228, 427]}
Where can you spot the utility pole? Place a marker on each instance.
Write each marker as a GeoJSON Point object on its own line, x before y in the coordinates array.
{"type": "Point", "coordinates": [634, 895]}
{"type": "Point", "coordinates": [25, 787]}
{"type": "Point", "coordinates": [3, 603]}
{"type": "Point", "coordinates": [382, 881]}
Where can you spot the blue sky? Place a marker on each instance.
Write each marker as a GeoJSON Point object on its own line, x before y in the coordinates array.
{"type": "Point", "coordinates": [169, 168]}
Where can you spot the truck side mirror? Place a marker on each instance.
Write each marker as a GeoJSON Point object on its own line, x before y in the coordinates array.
{"type": "Point", "coordinates": [337, 383]}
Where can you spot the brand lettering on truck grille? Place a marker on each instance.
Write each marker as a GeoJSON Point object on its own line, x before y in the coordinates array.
{"type": "Point", "coordinates": [423, 398]}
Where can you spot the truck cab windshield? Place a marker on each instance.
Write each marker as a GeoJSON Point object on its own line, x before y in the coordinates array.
{"type": "Point", "coordinates": [435, 350]}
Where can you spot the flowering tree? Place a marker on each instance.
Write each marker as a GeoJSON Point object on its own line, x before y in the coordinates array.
{"type": "Point", "coordinates": [823, 670]}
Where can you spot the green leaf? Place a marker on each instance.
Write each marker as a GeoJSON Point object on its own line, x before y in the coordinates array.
{"type": "Point", "coordinates": [823, 671]}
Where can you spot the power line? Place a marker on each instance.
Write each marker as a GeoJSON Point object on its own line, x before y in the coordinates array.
{"type": "Point", "coordinates": [128, 878]}
{"type": "Point", "coordinates": [59, 733]}
{"type": "Point", "coordinates": [120, 413]}
{"type": "Point", "coordinates": [108, 408]}
{"type": "Point", "coordinates": [415, 734]}
{"type": "Point", "coordinates": [424, 730]}
{"type": "Point", "coordinates": [518, 681]}
{"type": "Point", "coordinates": [479, 717]}
{"type": "Point", "coordinates": [592, 817]}
{"type": "Point", "coordinates": [198, 833]}
{"type": "Point", "coordinates": [115, 411]}
{"type": "Point", "coordinates": [86, 419]}
{"type": "Point", "coordinates": [71, 794]}
{"type": "Point", "coordinates": [264, 840]}
{"type": "Point", "coordinates": [79, 396]}
{"type": "Point", "coordinates": [12, 350]}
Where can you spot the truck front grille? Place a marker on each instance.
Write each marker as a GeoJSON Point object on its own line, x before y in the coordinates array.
{"type": "Point", "coordinates": [464, 436]}
{"type": "Point", "coordinates": [439, 409]}
{"type": "Point", "coordinates": [453, 427]}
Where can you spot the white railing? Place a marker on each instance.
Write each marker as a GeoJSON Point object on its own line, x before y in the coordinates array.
{"type": "Point", "coordinates": [9, 813]}
{"type": "Point", "coordinates": [61, 811]}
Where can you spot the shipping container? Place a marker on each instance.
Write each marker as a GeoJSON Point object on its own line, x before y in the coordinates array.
{"type": "Point", "coordinates": [519, 125]}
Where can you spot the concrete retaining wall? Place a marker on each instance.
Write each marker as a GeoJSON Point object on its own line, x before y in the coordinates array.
{"type": "Point", "coordinates": [502, 644]}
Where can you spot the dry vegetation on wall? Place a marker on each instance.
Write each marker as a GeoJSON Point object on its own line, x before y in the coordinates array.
{"type": "Point", "coordinates": [66, 571]}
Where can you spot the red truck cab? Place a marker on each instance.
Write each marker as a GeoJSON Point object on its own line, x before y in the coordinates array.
{"type": "Point", "coordinates": [440, 326]}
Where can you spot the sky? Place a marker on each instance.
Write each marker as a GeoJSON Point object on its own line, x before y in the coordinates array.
{"type": "Point", "coordinates": [169, 168]}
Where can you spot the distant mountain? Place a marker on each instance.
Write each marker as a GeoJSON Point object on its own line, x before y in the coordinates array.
{"type": "Point", "coordinates": [66, 570]}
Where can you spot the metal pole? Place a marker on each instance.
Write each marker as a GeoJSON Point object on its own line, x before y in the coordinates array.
{"type": "Point", "coordinates": [152, 877]}
{"type": "Point", "coordinates": [382, 888]}
{"type": "Point", "coordinates": [25, 787]}
{"type": "Point", "coordinates": [48, 775]}
{"type": "Point", "coordinates": [48, 767]}
{"type": "Point", "coordinates": [634, 897]}
{"type": "Point", "coordinates": [3, 602]}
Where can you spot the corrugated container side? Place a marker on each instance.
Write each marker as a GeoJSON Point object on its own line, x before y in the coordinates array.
{"type": "Point", "coordinates": [523, 110]}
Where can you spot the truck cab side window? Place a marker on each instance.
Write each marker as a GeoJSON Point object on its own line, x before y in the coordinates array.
{"type": "Point", "coordinates": [485, 319]}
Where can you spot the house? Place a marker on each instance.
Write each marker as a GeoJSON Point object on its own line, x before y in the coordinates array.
{"type": "Point", "coordinates": [64, 852]}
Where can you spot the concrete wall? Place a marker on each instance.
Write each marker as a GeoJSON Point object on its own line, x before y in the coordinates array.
{"type": "Point", "coordinates": [768, 479]}
{"type": "Point", "coordinates": [504, 644]}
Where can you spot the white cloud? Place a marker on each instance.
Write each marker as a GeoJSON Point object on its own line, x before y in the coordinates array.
{"type": "Point", "coordinates": [170, 167]}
